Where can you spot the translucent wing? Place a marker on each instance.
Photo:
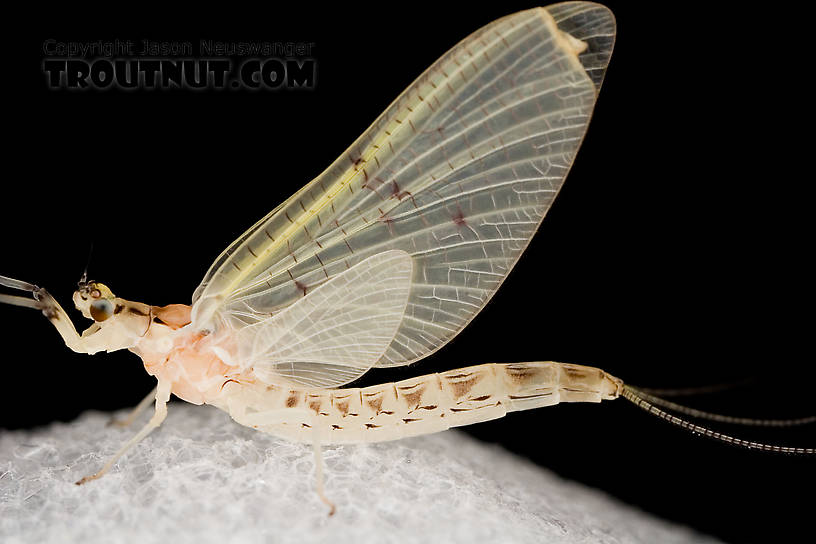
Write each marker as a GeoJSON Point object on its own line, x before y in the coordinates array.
{"type": "Point", "coordinates": [594, 25]}
{"type": "Point", "coordinates": [335, 333]}
{"type": "Point", "coordinates": [458, 172]}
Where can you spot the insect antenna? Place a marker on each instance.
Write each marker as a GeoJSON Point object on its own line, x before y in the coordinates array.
{"type": "Point", "coordinates": [84, 279]}
{"type": "Point", "coordinates": [645, 402]}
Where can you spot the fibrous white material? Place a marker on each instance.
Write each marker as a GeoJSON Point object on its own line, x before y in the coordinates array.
{"type": "Point", "coordinates": [203, 478]}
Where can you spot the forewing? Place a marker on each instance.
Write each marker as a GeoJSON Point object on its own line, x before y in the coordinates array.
{"type": "Point", "coordinates": [335, 333]}
{"type": "Point", "coordinates": [594, 25]}
{"type": "Point", "coordinates": [458, 172]}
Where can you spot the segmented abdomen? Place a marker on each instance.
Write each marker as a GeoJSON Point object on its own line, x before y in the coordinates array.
{"type": "Point", "coordinates": [420, 405]}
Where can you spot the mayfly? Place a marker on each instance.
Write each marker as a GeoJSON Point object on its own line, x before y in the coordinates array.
{"type": "Point", "coordinates": [385, 257]}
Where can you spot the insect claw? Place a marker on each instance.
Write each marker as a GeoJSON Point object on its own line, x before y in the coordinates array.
{"type": "Point", "coordinates": [42, 300]}
{"type": "Point", "coordinates": [45, 303]}
{"type": "Point", "coordinates": [86, 479]}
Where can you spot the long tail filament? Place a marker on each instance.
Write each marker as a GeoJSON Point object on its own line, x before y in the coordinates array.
{"type": "Point", "coordinates": [650, 404]}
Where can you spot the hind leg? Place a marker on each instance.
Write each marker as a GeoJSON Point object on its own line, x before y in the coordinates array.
{"type": "Point", "coordinates": [318, 455]}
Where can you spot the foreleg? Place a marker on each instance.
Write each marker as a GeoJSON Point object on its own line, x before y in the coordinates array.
{"type": "Point", "coordinates": [88, 342]}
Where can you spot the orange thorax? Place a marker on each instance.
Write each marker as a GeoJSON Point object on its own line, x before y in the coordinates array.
{"type": "Point", "coordinates": [182, 357]}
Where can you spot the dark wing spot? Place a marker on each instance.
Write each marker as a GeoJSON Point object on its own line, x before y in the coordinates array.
{"type": "Point", "coordinates": [395, 190]}
{"type": "Point", "coordinates": [459, 218]}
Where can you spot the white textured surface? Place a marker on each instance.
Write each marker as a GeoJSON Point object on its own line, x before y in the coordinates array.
{"type": "Point", "coordinates": [203, 478]}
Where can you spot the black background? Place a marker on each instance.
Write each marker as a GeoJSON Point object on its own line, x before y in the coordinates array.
{"type": "Point", "coordinates": [676, 254]}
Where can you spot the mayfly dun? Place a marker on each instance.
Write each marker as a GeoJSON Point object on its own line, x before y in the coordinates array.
{"type": "Point", "coordinates": [385, 257]}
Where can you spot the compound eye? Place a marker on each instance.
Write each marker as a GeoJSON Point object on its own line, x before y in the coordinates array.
{"type": "Point", "coordinates": [101, 309]}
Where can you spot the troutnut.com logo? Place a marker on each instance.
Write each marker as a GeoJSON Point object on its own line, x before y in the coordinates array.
{"type": "Point", "coordinates": [159, 65]}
